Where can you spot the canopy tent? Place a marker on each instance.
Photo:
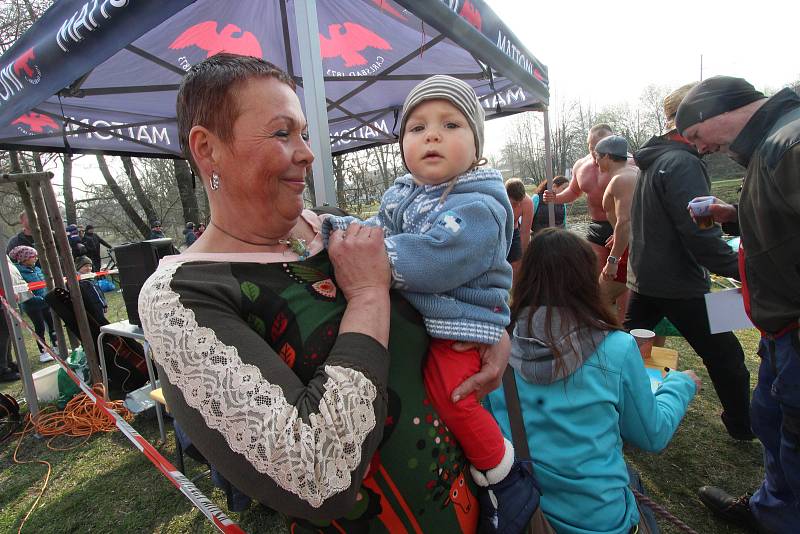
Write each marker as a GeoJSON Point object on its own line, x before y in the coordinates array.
{"type": "Point", "coordinates": [101, 75]}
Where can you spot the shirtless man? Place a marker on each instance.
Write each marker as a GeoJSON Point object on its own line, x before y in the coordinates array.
{"type": "Point", "coordinates": [612, 160]}
{"type": "Point", "coordinates": [587, 178]}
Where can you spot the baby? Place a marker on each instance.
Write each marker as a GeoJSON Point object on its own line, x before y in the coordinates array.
{"type": "Point", "coordinates": [448, 227]}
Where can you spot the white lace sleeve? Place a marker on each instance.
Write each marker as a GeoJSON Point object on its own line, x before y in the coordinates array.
{"type": "Point", "coordinates": [312, 460]}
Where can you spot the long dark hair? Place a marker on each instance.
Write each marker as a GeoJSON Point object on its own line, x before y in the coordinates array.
{"type": "Point", "coordinates": [559, 269]}
{"type": "Point", "coordinates": [558, 180]}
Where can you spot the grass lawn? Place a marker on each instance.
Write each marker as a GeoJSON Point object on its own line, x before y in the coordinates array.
{"type": "Point", "coordinates": [107, 486]}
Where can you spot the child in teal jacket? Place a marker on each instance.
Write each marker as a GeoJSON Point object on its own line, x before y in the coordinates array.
{"type": "Point", "coordinates": [583, 389]}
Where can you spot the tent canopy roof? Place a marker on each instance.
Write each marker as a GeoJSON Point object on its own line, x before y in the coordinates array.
{"type": "Point", "coordinates": [102, 76]}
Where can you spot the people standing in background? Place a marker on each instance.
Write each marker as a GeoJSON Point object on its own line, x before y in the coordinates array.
{"type": "Point", "coordinates": [727, 114]}
{"type": "Point", "coordinates": [95, 300]}
{"type": "Point", "coordinates": [612, 158]}
{"type": "Point", "coordinates": [188, 234]}
{"type": "Point", "coordinates": [24, 237]}
{"type": "Point", "coordinates": [198, 231]}
{"type": "Point", "coordinates": [92, 242]}
{"type": "Point", "coordinates": [587, 178]}
{"type": "Point", "coordinates": [669, 262]}
{"type": "Point", "coordinates": [36, 308]}
{"type": "Point", "coordinates": [522, 206]}
{"type": "Point", "coordinates": [155, 231]}
{"type": "Point", "coordinates": [541, 213]}
{"type": "Point", "coordinates": [9, 370]}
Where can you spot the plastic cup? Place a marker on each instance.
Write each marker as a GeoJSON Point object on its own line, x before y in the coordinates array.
{"type": "Point", "coordinates": [700, 209]}
{"type": "Point", "coordinates": [645, 339]}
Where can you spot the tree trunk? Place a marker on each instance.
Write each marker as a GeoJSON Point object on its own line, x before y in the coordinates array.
{"type": "Point", "coordinates": [338, 174]}
{"type": "Point", "coordinates": [183, 177]}
{"type": "Point", "coordinates": [138, 191]}
{"type": "Point", "coordinates": [69, 201]}
{"type": "Point", "coordinates": [126, 206]}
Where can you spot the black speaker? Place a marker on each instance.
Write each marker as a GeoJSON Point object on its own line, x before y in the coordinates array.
{"type": "Point", "coordinates": [136, 262]}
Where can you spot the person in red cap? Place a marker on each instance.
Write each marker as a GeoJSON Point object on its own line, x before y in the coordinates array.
{"type": "Point", "coordinates": [762, 134]}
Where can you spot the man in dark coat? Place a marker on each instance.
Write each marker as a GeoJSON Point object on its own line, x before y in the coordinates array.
{"type": "Point", "coordinates": [92, 241]}
{"type": "Point", "coordinates": [763, 135]}
{"type": "Point", "coordinates": [155, 231]}
{"type": "Point", "coordinates": [669, 262]}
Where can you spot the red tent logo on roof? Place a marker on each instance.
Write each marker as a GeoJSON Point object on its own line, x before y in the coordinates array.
{"type": "Point", "coordinates": [231, 39]}
{"type": "Point", "coordinates": [35, 123]}
{"type": "Point", "coordinates": [349, 43]}
{"type": "Point", "coordinates": [24, 66]}
{"type": "Point", "coordinates": [471, 14]}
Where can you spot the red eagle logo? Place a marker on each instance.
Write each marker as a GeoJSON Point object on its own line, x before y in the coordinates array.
{"type": "Point", "coordinates": [22, 64]}
{"type": "Point", "coordinates": [349, 43]}
{"type": "Point", "coordinates": [384, 5]}
{"type": "Point", "coordinates": [36, 122]}
{"type": "Point", "coordinates": [471, 14]}
{"type": "Point", "coordinates": [204, 36]}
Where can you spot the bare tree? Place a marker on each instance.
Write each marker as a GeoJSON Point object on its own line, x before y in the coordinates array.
{"type": "Point", "coordinates": [122, 200]}
{"type": "Point", "coordinates": [141, 197]}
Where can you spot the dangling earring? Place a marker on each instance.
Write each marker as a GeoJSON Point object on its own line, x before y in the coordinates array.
{"type": "Point", "coordinates": [214, 182]}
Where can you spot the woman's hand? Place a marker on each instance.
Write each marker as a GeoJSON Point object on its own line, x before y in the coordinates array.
{"type": "Point", "coordinates": [696, 379]}
{"type": "Point", "coordinates": [359, 258]}
{"type": "Point", "coordinates": [362, 274]}
{"type": "Point", "coordinates": [494, 359]}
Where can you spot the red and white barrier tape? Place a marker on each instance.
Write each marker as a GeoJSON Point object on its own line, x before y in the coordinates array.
{"type": "Point", "coordinates": [41, 284]}
{"type": "Point", "coordinates": [178, 479]}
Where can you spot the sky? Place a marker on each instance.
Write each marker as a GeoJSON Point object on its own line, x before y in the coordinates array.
{"type": "Point", "coordinates": [607, 52]}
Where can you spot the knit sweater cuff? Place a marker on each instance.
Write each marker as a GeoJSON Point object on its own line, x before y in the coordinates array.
{"type": "Point", "coordinates": [464, 330]}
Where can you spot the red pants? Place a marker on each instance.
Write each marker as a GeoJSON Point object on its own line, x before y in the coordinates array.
{"type": "Point", "coordinates": [472, 425]}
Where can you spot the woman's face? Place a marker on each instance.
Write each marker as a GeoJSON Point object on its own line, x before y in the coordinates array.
{"type": "Point", "coordinates": [263, 168]}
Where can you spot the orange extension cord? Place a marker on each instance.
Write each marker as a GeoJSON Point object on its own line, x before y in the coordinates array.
{"type": "Point", "coordinates": [80, 418]}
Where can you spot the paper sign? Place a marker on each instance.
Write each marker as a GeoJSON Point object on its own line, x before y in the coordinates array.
{"type": "Point", "coordinates": [726, 311]}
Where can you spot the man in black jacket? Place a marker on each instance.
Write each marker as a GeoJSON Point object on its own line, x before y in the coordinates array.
{"type": "Point", "coordinates": [92, 241]}
{"type": "Point", "coordinates": [728, 114]}
{"type": "Point", "coordinates": [24, 237]}
{"type": "Point", "coordinates": [670, 259]}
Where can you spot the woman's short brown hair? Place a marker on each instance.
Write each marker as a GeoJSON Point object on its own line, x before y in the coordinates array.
{"type": "Point", "coordinates": [205, 95]}
{"type": "Point", "coordinates": [515, 189]}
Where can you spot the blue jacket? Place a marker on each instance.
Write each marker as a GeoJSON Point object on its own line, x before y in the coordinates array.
{"type": "Point", "coordinates": [33, 274]}
{"type": "Point", "coordinates": [449, 260]}
{"type": "Point", "coordinates": [576, 427]}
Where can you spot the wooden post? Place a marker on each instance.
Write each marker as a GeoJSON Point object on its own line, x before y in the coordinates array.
{"type": "Point", "coordinates": [72, 282]}
{"type": "Point", "coordinates": [49, 259]}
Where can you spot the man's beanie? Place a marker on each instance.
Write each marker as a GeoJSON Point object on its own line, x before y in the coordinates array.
{"type": "Point", "coordinates": [455, 91]}
{"type": "Point", "coordinates": [80, 261]}
{"type": "Point", "coordinates": [712, 97]}
{"type": "Point", "coordinates": [616, 145]}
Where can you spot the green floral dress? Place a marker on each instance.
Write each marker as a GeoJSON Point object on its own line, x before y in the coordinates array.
{"type": "Point", "coordinates": [277, 324]}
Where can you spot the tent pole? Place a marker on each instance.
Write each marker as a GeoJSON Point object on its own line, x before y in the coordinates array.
{"type": "Point", "coordinates": [548, 166]}
{"type": "Point", "coordinates": [314, 96]}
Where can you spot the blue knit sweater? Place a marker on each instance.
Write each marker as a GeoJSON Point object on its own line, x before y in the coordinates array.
{"type": "Point", "coordinates": [449, 259]}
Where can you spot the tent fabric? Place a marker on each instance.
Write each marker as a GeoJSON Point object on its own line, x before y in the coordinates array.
{"type": "Point", "coordinates": [101, 76]}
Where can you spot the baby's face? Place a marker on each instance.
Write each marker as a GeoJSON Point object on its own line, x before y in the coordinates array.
{"type": "Point", "coordinates": [438, 143]}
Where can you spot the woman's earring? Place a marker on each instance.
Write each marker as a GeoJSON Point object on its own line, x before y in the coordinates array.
{"type": "Point", "coordinates": [214, 180]}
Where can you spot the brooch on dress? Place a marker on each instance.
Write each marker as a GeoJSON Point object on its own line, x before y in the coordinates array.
{"type": "Point", "coordinates": [296, 245]}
